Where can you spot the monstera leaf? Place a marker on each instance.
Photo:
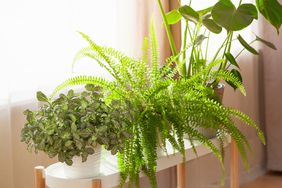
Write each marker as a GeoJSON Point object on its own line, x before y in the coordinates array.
{"type": "Point", "coordinates": [272, 11]}
{"type": "Point", "coordinates": [225, 14]}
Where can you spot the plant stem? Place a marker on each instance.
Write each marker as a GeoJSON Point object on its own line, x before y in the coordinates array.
{"type": "Point", "coordinates": [225, 42]}
{"type": "Point", "coordinates": [184, 72]}
{"type": "Point", "coordinates": [168, 30]}
{"type": "Point", "coordinates": [195, 34]}
{"type": "Point", "coordinates": [185, 39]}
{"type": "Point", "coordinates": [207, 47]}
{"type": "Point", "coordinates": [219, 49]}
{"type": "Point", "coordinates": [228, 50]}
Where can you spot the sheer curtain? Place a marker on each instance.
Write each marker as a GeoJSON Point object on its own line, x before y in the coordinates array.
{"type": "Point", "coordinates": [38, 40]}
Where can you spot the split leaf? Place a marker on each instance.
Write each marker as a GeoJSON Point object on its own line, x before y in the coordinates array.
{"type": "Point", "coordinates": [225, 14]}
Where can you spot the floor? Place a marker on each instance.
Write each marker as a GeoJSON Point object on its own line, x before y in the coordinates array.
{"type": "Point", "coordinates": [270, 180]}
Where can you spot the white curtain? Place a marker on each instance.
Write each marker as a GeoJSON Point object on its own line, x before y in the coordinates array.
{"type": "Point", "coordinates": [38, 40]}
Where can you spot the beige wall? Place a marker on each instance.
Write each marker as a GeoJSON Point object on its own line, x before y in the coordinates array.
{"type": "Point", "coordinates": [6, 165]}
{"type": "Point", "coordinates": [272, 62]}
{"type": "Point", "coordinates": [16, 163]}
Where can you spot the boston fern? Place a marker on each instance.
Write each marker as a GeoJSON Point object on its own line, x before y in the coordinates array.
{"type": "Point", "coordinates": [73, 125]}
{"type": "Point", "coordinates": [161, 108]}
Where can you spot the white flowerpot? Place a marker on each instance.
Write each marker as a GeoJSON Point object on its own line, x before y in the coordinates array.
{"type": "Point", "coordinates": [207, 132]}
{"type": "Point", "coordinates": [88, 169]}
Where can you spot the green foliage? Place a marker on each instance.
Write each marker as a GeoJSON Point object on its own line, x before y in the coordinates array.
{"type": "Point", "coordinates": [223, 14]}
{"type": "Point", "coordinates": [267, 43]}
{"type": "Point", "coordinates": [189, 13]}
{"type": "Point", "coordinates": [246, 45]}
{"type": "Point", "coordinates": [212, 26]}
{"type": "Point", "coordinates": [272, 11]}
{"type": "Point", "coordinates": [73, 125]}
{"type": "Point", "coordinates": [162, 108]}
{"type": "Point", "coordinates": [173, 17]}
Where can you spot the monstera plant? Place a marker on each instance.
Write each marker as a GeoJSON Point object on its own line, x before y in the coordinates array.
{"type": "Point", "coordinates": [222, 16]}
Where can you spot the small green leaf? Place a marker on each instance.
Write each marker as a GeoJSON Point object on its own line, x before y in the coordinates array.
{"type": "Point", "coordinates": [272, 11]}
{"type": "Point", "coordinates": [212, 26]}
{"type": "Point", "coordinates": [70, 93]}
{"type": "Point", "coordinates": [41, 97]}
{"type": "Point", "coordinates": [173, 17]}
{"type": "Point", "coordinates": [61, 157]}
{"type": "Point", "coordinates": [72, 117]}
{"type": "Point", "coordinates": [68, 161]}
{"type": "Point", "coordinates": [246, 45]}
{"type": "Point", "coordinates": [73, 127]}
{"type": "Point", "coordinates": [68, 143]}
{"type": "Point", "coordinates": [231, 59]}
{"type": "Point", "coordinates": [198, 41]}
{"type": "Point", "coordinates": [103, 129]}
{"type": "Point", "coordinates": [225, 14]}
{"type": "Point", "coordinates": [237, 74]}
{"type": "Point", "coordinates": [114, 151]}
{"type": "Point", "coordinates": [90, 87]}
{"type": "Point", "coordinates": [84, 156]}
{"type": "Point", "coordinates": [267, 43]}
{"type": "Point", "coordinates": [90, 151]}
{"type": "Point", "coordinates": [188, 13]}
{"type": "Point", "coordinates": [78, 144]}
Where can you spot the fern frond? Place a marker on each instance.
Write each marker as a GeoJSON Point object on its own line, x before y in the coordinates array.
{"type": "Point", "coordinates": [100, 52]}
{"type": "Point", "coordinates": [145, 50]}
{"type": "Point", "coordinates": [245, 118]}
{"type": "Point", "coordinates": [79, 55]}
{"type": "Point", "coordinates": [205, 141]}
{"type": "Point", "coordinates": [82, 80]}
{"type": "Point", "coordinates": [204, 73]}
{"type": "Point", "coordinates": [155, 74]}
{"type": "Point", "coordinates": [228, 76]}
{"type": "Point", "coordinates": [88, 52]}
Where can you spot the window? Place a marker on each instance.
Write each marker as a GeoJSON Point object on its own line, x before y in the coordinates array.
{"type": "Point", "coordinates": [38, 41]}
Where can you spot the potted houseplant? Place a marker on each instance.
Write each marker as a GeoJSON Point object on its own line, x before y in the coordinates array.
{"type": "Point", "coordinates": [160, 107]}
{"type": "Point", "coordinates": [74, 128]}
{"type": "Point", "coordinates": [201, 24]}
